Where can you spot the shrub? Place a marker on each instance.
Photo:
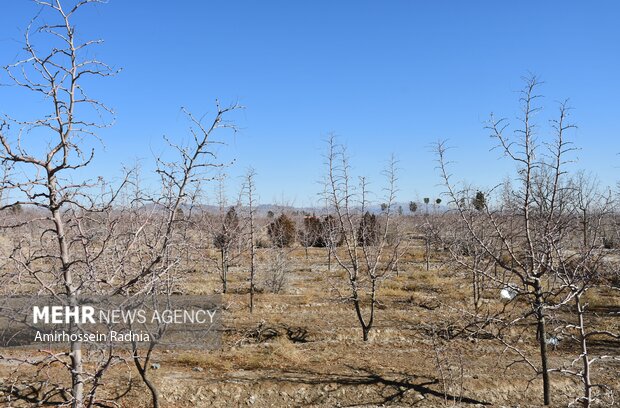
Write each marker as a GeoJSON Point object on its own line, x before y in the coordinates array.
{"type": "Point", "coordinates": [228, 232]}
{"type": "Point", "coordinates": [282, 231]}
{"type": "Point", "coordinates": [313, 234]}
{"type": "Point", "coordinates": [368, 230]}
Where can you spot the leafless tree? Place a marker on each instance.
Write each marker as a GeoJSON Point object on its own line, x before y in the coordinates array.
{"type": "Point", "coordinates": [180, 178]}
{"type": "Point", "coordinates": [276, 269]}
{"type": "Point", "coordinates": [76, 242]}
{"type": "Point", "coordinates": [465, 250]}
{"type": "Point", "coordinates": [157, 246]}
{"type": "Point", "coordinates": [430, 233]}
{"type": "Point", "coordinates": [250, 193]}
{"type": "Point", "coordinates": [585, 268]}
{"type": "Point", "coordinates": [58, 75]}
{"type": "Point", "coordinates": [366, 261]}
{"type": "Point", "coordinates": [331, 233]}
{"type": "Point", "coordinates": [529, 238]}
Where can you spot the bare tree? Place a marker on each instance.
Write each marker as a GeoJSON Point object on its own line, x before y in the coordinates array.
{"type": "Point", "coordinates": [59, 76]}
{"type": "Point", "coordinates": [86, 246]}
{"type": "Point", "coordinates": [277, 268]}
{"type": "Point", "coordinates": [148, 254]}
{"type": "Point", "coordinates": [331, 234]}
{"type": "Point", "coordinates": [180, 178]}
{"type": "Point", "coordinates": [465, 250]}
{"type": "Point", "coordinates": [250, 192]}
{"type": "Point", "coordinates": [225, 237]}
{"type": "Point", "coordinates": [584, 269]}
{"type": "Point", "coordinates": [366, 261]}
{"type": "Point", "coordinates": [530, 237]}
{"type": "Point", "coordinates": [429, 233]}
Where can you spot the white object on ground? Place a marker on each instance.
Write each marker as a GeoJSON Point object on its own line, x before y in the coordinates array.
{"type": "Point", "coordinates": [508, 293]}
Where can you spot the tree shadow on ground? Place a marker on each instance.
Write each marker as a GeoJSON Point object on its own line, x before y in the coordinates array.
{"type": "Point", "coordinates": [43, 393]}
{"type": "Point", "coordinates": [394, 387]}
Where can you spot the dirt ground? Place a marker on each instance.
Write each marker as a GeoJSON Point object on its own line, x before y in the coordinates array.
{"type": "Point", "coordinates": [303, 347]}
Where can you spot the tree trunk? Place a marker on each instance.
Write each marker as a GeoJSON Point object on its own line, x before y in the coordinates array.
{"type": "Point", "coordinates": [77, 367]}
{"type": "Point", "coordinates": [358, 311]}
{"type": "Point", "coordinates": [585, 229]}
{"type": "Point", "coordinates": [427, 254]}
{"type": "Point", "coordinates": [329, 259]}
{"type": "Point", "coordinates": [542, 340]}
{"type": "Point", "coordinates": [252, 270]}
{"type": "Point", "coordinates": [252, 288]}
{"type": "Point", "coordinates": [153, 390]}
{"type": "Point", "coordinates": [250, 186]}
{"type": "Point", "coordinates": [224, 271]}
{"type": "Point", "coordinates": [142, 370]}
{"type": "Point", "coordinates": [77, 381]}
{"type": "Point", "coordinates": [585, 376]}
{"type": "Point", "coordinates": [476, 289]}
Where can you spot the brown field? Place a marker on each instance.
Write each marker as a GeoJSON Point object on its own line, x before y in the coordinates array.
{"type": "Point", "coordinates": [303, 347]}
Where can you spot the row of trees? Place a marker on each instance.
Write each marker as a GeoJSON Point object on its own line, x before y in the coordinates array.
{"type": "Point", "coordinates": [542, 237]}
{"type": "Point", "coordinates": [86, 238]}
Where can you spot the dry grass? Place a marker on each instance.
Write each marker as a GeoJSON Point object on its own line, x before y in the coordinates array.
{"type": "Point", "coordinates": [333, 366]}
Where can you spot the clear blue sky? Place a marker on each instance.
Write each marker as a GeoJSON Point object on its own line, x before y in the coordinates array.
{"type": "Point", "coordinates": [388, 77]}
